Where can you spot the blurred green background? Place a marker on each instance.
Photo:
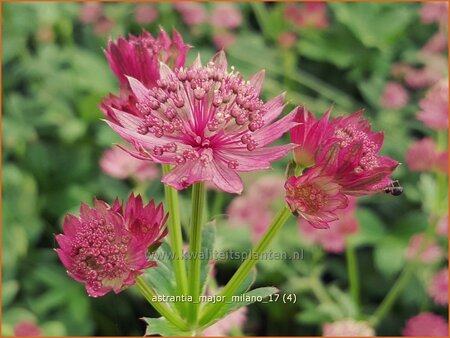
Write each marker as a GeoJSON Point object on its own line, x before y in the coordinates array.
{"type": "Point", "coordinates": [54, 76]}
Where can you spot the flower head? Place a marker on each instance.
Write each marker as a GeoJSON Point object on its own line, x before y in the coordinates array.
{"type": "Point", "coordinates": [333, 239]}
{"type": "Point", "coordinates": [431, 254]}
{"type": "Point", "coordinates": [423, 156]}
{"type": "Point", "coordinates": [442, 226]}
{"type": "Point", "coordinates": [435, 107]}
{"type": "Point", "coordinates": [145, 13]}
{"type": "Point", "coordinates": [208, 122]}
{"type": "Point", "coordinates": [106, 247]}
{"type": "Point", "coordinates": [226, 15]}
{"type": "Point", "coordinates": [434, 11]}
{"type": "Point", "coordinates": [315, 197]}
{"type": "Point", "coordinates": [426, 324]}
{"type": "Point", "coordinates": [348, 328]}
{"type": "Point", "coordinates": [192, 13]}
{"type": "Point", "coordinates": [438, 288]}
{"type": "Point", "coordinates": [26, 328]}
{"type": "Point", "coordinates": [394, 96]}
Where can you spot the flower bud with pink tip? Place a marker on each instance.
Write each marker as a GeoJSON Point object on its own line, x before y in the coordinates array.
{"type": "Point", "coordinates": [106, 247]}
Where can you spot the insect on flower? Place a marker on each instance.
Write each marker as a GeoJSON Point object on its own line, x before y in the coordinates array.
{"type": "Point", "coordinates": [395, 189]}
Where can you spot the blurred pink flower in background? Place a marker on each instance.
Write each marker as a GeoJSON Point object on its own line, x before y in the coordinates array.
{"type": "Point", "coordinates": [118, 163]}
{"type": "Point", "coordinates": [423, 156]}
{"type": "Point", "coordinates": [223, 327]}
{"type": "Point", "coordinates": [434, 12]}
{"type": "Point", "coordinates": [287, 39]}
{"type": "Point", "coordinates": [434, 107]}
{"type": "Point", "coordinates": [223, 39]}
{"type": "Point", "coordinates": [442, 226]}
{"type": "Point", "coordinates": [90, 12]}
{"type": "Point", "coordinates": [348, 328]}
{"type": "Point", "coordinates": [145, 13]}
{"type": "Point", "coordinates": [27, 328]}
{"type": "Point", "coordinates": [431, 254]}
{"type": "Point", "coordinates": [308, 14]}
{"type": "Point", "coordinates": [268, 188]}
{"type": "Point", "coordinates": [418, 78]}
{"type": "Point", "coordinates": [106, 247]}
{"type": "Point", "coordinates": [426, 324]}
{"type": "Point", "coordinates": [192, 13]}
{"type": "Point", "coordinates": [226, 15]}
{"type": "Point", "coordinates": [438, 288]}
{"type": "Point", "coordinates": [437, 43]}
{"type": "Point", "coordinates": [333, 239]}
{"type": "Point", "coordinates": [394, 96]}
{"type": "Point", "coordinates": [103, 26]}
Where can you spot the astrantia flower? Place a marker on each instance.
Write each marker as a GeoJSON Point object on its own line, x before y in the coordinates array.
{"type": "Point", "coordinates": [192, 13]}
{"type": "Point", "coordinates": [226, 15]}
{"type": "Point", "coordinates": [423, 156]}
{"type": "Point", "coordinates": [315, 197]}
{"type": "Point", "coordinates": [426, 324]}
{"type": "Point", "coordinates": [208, 122]}
{"type": "Point", "coordinates": [442, 226]}
{"type": "Point", "coordinates": [434, 12]}
{"type": "Point", "coordinates": [431, 254]}
{"type": "Point", "coordinates": [333, 239]}
{"type": "Point", "coordinates": [435, 107]}
{"type": "Point", "coordinates": [106, 247]}
{"type": "Point", "coordinates": [27, 328]}
{"type": "Point", "coordinates": [348, 328]}
{"type": "Point", "coordinates": [438, 288]}
{"type": "Point", "coordinates": [394, 96]}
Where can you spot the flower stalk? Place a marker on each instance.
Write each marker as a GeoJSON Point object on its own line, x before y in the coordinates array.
{"type": "Point", "coordinates": [353, 277]}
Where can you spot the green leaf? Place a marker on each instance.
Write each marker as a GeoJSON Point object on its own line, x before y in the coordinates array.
{"type": "Point", "coordinates": [160, 326]}
{"type": "Point", "coordinates": [390, 255]}
{"type": "Point", "coordinates": [207, 250]}
{"type": "Point", "coordinates": [371, 229]}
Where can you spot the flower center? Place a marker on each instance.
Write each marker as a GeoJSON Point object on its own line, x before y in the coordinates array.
{"type": "Point", "coordinates": [309, 198]}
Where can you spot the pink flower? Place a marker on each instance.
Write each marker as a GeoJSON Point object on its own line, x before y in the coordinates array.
{"type": "Point", "coordinates": [423, 156]}
{"type": "Point", "coordinates": [226, 15]}
{"type": "Point", "coordinates": [192, 13]}
{"type": "Point", "coordinates": [437, 43]}
{"type": "Point", "coordinates": [431, 254]}
{"type": "Point", "coordinates": [103, 26]}
{"type": "Point", "coordinates": [434, 12]}
{"type": "Point", "coordinates": [90, 12]}
{"type": "Point", "coordinates": [224, 326]}
{"type": "Point", "coordinates": [25, 328]}
{"type": "Point", "coordinates": [208, 122]}
{"type": "Point", "coordinates": [348, 328]}
{"type": "Point", "coordinates": [106, 247]}
{"type": "Point", "coordinates": [394, 96]}
{"type": "Point", "coordinates": [315, 197]}
{"type": "Point", "coordinates": [442, 226]}
{"type": "Point", "coordinates": [145, 13]}
{"type": "Point", "coordinates": [287, 39]}
{"type": "Point", "coordinates": [311, 14]}
{"type": "Point", "coordinates": [435, 107]}
{"type": "Point", "coordinates": [333, 239]}
{"type": "Point", "coordinates": [422, 78]}
{"type": "Point", "coordinates": [438, 288]}
{"type": "Point", "coordinates": [224, 39]}
{"type": "Point", "coordinates": [118, 163]}
{"type": "Point", "coordinates": [426, 324]}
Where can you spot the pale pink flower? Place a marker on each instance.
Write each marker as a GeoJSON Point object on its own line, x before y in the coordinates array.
{"type": "Point", "coordinates": [90, 12]}
{"type": "Point", "coordinates": [333, 238]}
{"type": "Point", "coordinates": [442, 226]}
{"type": "Point", "coordinates": [145, 13]}
{"type": "Point", "coordinates": [103, 26]}
{"type": "Point", "coordinates": [309, 14]}
{"type": "Point", "coordinates": [422, 155]}
{"type": "Point", "coordinates": [394, 96]}
{"type": "Point", "coordinates": [223, 327]}
{"type": "Point", "coordinates": [348, 328]}
{"type": "Point", "coordinates": [437, 43]}
{"type": "Point", "coordinates": [106, 247]}
{"type": "Point", "coordinates": [442, 162]}
{"type": "Point", "coordinates": [192, 13]}
{"type": "Point", "coordinates": [315, 197]}
{"type": "Point", "coordinates": [426, 324]}
{"type": "Point", "coordinates": [400, 70]}
{"type": "Point", "coordinates": [438, 288]}
{"type": "Point", "coordinates": [118, 163]}
{"type": "Point", "coordinates": [224, 39]}
{"type": "Point", "coordinates": [208, 122]}
{"type": "Point", "coordinates": [431, 254]}
{"type": "Point", "coordinates": [435, 107]}
{"type": "Point", "coordinates": [418, 78]}
{"type": "Point", "coordinates": [26, 328]}
{"type": "Point", "coordinates": [268, 188]}
{"type": "Point", "coordinates": [287, 39]}
{"type": "Point", "coordinates": [434, 12]}
{"type": "Point", "coordinates": [226, 15]}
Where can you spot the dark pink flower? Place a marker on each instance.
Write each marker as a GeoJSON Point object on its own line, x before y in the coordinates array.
{"type": "Point", "coordinates": [208, 122]}
{"type": "Point", "coordinates": [90, 12]}
{"type": "Point", "coordinates": [426, 324]}
{"type": "Point", "coordinates": [438, 288]}
{"type": "Point", "coordinates": [106, 247]}
{"type": "Point", "coordinates": [435, 107]}
{"type": "Point", "coordinates": [333, 238]}
{"type": "Point", "coordinates": [192, 13]}
{"type": "Point", "coordinates": [315, 197]}
{"type": "Point", "coordinates": [434, 12]}
{"type": "Point", "coordinates": [423, 156]}
{"type": "Point", "coordinates": [145, 13]}
{"type": "Point", "coordinates": [353, 159]}
{"type": "Point", "coordinates": [224, 39]}
{"type": "Point", "coordinates": [394, 96]}
{"type": "Point", "coordinates": [26, 328]}
{"type": "Point", "coordinates": [118, 163]}
{"type": "Point", "coordinates": [226, 15]}
{"type": "Point", "coordinates": [431, 254]}
{"type": "Point", "coordinates": [348, 328]}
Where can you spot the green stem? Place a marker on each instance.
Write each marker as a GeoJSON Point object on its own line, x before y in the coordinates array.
{"type": "Point", "coordinates": [212, 309]}
{"type": "Point", "coordinates": [162, 309]}
{"type": "Point", "coordinates": [175, 235]}
{"type": "Point", "coordinates": [218, 201]}
{"type": "Point", "coordinates": [353, 277]}
{"type": "Point", "coordinates": [319, 291]}
{"type": "Point", "coordinates": [195, 242]}
{"type": "Point", "coordinates": [261, 17]}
